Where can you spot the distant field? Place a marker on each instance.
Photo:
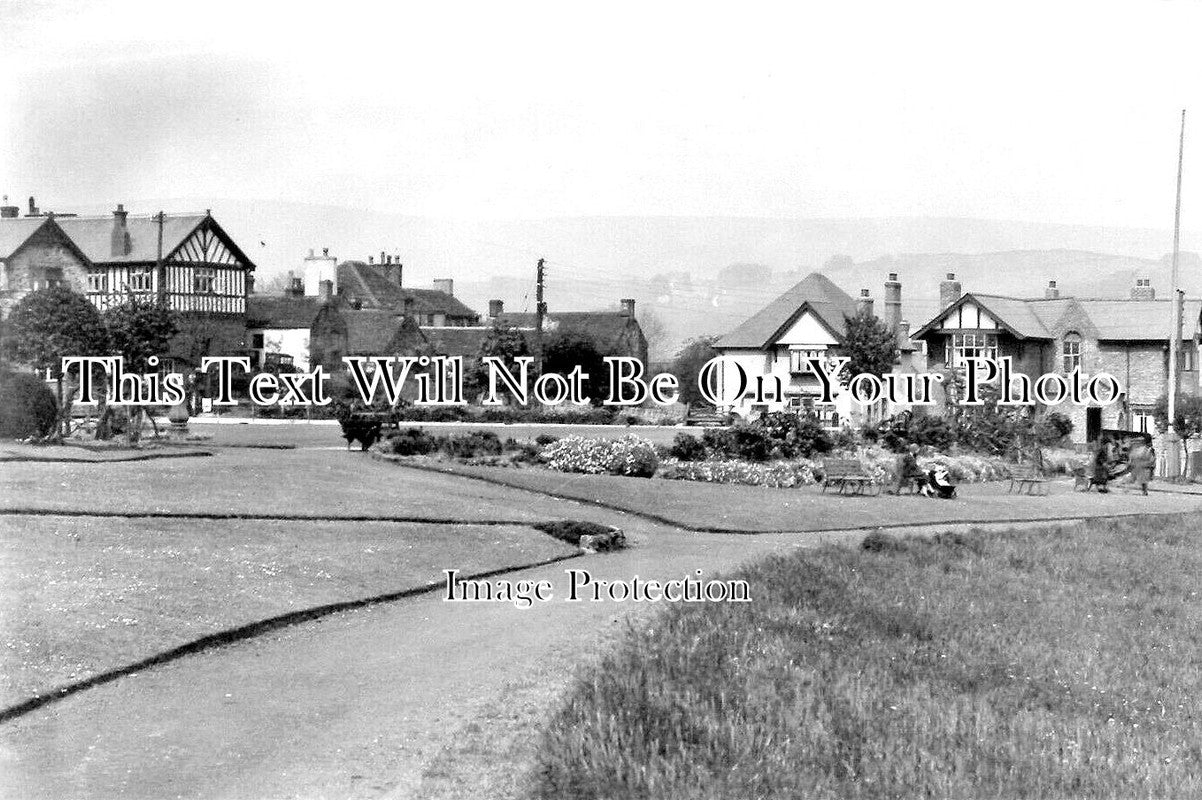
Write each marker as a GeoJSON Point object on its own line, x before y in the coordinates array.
{"type": "Point", "coordinates": [86, 595]}
{"type": "Point", "coordinates": [1000, 666]}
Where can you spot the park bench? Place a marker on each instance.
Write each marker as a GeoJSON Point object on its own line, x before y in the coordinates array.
{"type": "Point", "coordinates": [846, 473]}
{"type": "Point", "coordinates": [1025, 475]}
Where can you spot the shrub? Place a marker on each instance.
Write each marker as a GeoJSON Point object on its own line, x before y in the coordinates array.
{"type": "Point", "coordinates": [472, 445]}
{"type": "Point", "coordinates": [1051, 428]}
{"type": "Point", "coordinates": [411, 442]}
{"type": "Point", "coordinates": [629, 455]}
{"type": "Point", "coordinates": [774, 475]}
{"type": "Point", "coordinates": [544, 439]}
{"type": "Point", "coordinates": [933, 431]}
{"type": "Point", "coordinates": [880, 542]}
{"type": "Point", "coordinates": [570, 531]}
{"type": "Point", "coordinates": [775, 435]}
{"type": "Point", "coordinates": [686, 447]}
{"type": "Point", "coordinates": [27, 406]}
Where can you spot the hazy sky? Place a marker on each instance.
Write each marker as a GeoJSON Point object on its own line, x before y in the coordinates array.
{"type": "Point", "coordinates": [1058, 112]}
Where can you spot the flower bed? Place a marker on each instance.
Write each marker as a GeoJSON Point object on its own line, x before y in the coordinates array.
{"type": "Point", "coordinates": [773, 474]}
{"type": "Point", "coordinates": [629, 455]}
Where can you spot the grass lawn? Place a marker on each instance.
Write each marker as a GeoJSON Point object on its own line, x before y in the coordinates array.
{"type": "Point", "coordinates": [85, 595]}
{"type": "Point", "coordinates": [993, 665]}
{"type": "Point", "coordinates": [709, 506]}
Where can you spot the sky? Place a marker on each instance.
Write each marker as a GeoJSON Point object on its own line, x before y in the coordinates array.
{"type": "Point", "coordinates": [1063, 112]}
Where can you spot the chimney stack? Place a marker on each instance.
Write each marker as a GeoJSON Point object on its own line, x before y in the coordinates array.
{"type": "Point", "coordinates": [893, 304]}
{"type": "Point", "coordinates": [903, 333]}
{"type": "Point", "coordinates": [392, 271]}
{"type": "Point", "coordinates": [949, 290]}
{"type": "Point", "coordinates": [864, 303]}
{"type": "Point", "coordinates": [33, 208]}
{"type": "Point", "coordinates": [325, 292]}
{"type": "Point", "coordinates": [496, 308]}
{"type": "Point", "coordinates": [1142, 290]}
{"type": "Point", "coordinates": [408, 306]}
{"type": "Point", "coordinates": [7, 211]}
{"type": "Point", "coordinates": [119, 241]}
{"type": "Point", "coordinates": [627, 306]}
{"type": "Point", "coordinates": [446, 285]}
{"type": "Point", "coordinates": [1051, 293]}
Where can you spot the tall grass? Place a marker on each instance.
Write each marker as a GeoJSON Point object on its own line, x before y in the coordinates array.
{"type": "Point", "coordinates": [1042, 665]}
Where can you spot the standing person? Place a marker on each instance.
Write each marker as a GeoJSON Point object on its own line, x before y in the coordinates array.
{"type": "Point", "coordinates": [1101, 465]}
{"type": "Point", "coordinates": [908, 470]}
{"type": "Point", "coordinates": [1143, 461]}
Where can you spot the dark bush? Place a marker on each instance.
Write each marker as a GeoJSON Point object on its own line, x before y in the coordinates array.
{"type": "Point", "coordinates": [932, 430]}
{"type": "Point", "coordinates": [544, 439]}
{"type": "Point", "coordinates": [880, 542]}
{"type": "Point", "coordinates": [686, 447]}
{"type": "Point", "coordinates": [870, 433]}
{"type": "Point", "coordinates": [27, 406]}
{"type": "Point", "coordinates": [1050, 428]}
{"type": "Point", "coordinates": [412, 442]}
{"type": "Point", "coordinates": [570, 531]}
{"type": "Point", "coordinates": [472, 445]}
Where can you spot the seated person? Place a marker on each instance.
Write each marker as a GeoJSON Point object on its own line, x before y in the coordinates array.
{"type": "Point", "coordinates": [939, 484]}
{"type": "Point", "coordinates": [908, 470]}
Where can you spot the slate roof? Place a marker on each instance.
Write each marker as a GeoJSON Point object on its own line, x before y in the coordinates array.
{"type": "Point", "coordinates": [372, 332]}
{"type": "Point", "coordinates": [1112, 320]}
{"type": "Point", "coordinates": [14, 232]}
{"type": "Point", "coordinates": [280, 311]}
{"type": "Point", "coordinates": [606, 328]}
{"type": "Point", "coordinates": [816, 292]}
{"type": "Point", "coordinates": [456, 341]}
{"type": "Point", "coordinates": [366, 283]}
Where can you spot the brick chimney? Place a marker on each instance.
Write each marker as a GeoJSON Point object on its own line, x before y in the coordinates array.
{"type": "Point", "coordinates": [119, 241]}
{"type": "Point", "coordinates": [903, 333]}
{"type": "Point", "coordinates": [864, 303]}
{"type": "Point", "coordinates": [446, 285]}
{"type": "Point", "coordinates": [393, 271]}
{"type": "Point", "coordinates": [325, 292]}
{"type": "Point", "coordinates": [496, 308]}
{"type": "Point", "coordinates": [33, 207]}
{"type": "Point", "coordinates": [7, 211]}
{"type": "Point", "coordinates": [408, 307]}
{"type": "Point", "coordinates": [627, 306]}
{"type": "Point", "coordinates": [949, 290]}
{"type": "Point", "coordinates": [1052, 292]}
{"type": "Point", "coordinates": [893, 307]}
{"type": "Point", "coordinates": [1142, 290]}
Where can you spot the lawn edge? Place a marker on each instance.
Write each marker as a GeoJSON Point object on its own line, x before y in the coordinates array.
{"type": "Point", "coordinates": [251, 630]}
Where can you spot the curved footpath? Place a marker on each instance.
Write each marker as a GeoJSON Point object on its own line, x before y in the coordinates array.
{"type": "Point", "coordinates": [417, 698]}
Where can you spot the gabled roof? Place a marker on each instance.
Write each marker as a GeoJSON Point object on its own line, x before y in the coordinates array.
{"type": "Point", "coordinates": [280, 311]}
{"type": "Point", "coordinates": [371, 332]}
{"type": "Point", "coordinates": [366, 283]}
{"type": "Point", "coordinates": [606, 328]}
{"type": "Point", "coordinates": [815, 293]}
{"type": "Point", "coordinates": [16, 231]}
{"type": "Point", "coordinates": [1109, 320]}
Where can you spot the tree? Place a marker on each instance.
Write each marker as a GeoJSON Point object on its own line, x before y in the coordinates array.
{"type": "Point", "coordinates": [869, 344]}
{"type": "Point", "coordinates": [504, 342]}
{"type": "Point", "coordinates": [139, 330]}
{"type": "Point", "coordinates": [688, 363]}
{"type": "Point", "coordinates": [49, 324]}
{"type": "Point", "coordinates": [1187, 419]}
{"type": "Point", "coordinates": [654, 329]}
{"type": "Point", "coordinates": [566, 350]}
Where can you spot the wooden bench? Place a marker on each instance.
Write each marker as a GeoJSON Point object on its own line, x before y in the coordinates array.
{"type": "Point", "coordinates": [1026, 475]}
{"type": "Point", "coordinates": [846, 473]}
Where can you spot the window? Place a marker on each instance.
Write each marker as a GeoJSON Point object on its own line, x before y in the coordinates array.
{"type": "Point", "coordinates": [98, 281]}
{"type": "Point", "coordinates": [1189, 357]}
{"type": "Point", "coordinates": [52, 276]}
{"type": "Point", "coordinates": [1071, 352]}
{"type": "Point", "coordinates": [204, 280]}
{"type": "Point", "coordinates": [970, 345]}
{"type": "Point", "coordinates": [256, 341]}
{"type": "Point", "coordinates": [141, 281]}
{"type": "Point", "coordinates": [1142, 421]}
{"type": "Point", "coordinates": [799, 360]}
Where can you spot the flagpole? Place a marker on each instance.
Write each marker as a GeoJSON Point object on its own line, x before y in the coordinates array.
{"type": "Point", "coordinates": [1173, 466]}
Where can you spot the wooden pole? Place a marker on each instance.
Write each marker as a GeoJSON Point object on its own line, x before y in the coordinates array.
{"type": "Point", "coordinates": [1172, 463]}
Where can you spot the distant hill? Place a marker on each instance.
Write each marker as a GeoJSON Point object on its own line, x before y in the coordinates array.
{"type": "Point", "coordinates": [672, 264]}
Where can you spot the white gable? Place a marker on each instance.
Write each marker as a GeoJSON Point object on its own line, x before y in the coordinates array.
{"type": "Point", "coordinates": [969, 316]}
{"type": "Point", "coordinates": [807, 330]}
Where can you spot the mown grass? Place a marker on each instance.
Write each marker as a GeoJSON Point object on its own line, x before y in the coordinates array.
{"type": "Point", "coordinates": [1042, 665]}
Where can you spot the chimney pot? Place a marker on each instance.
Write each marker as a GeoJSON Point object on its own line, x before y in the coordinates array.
{"type": "Point", "coordinates": [628, 306]}
{"type": "Point", "coordinates": [1051, 293]}
{"type": "Point", "coordinates": [864, 303]}
{"type": "Point", "coordinates": [892, 277]}
{"type": "Point", "coordinates": [325, 252]}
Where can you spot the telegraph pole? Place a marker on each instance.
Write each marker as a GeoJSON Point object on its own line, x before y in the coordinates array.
{"type": "Point", "coordinates": [1172, 457]}
{"type": "Point", "coordinates": [540, 313]}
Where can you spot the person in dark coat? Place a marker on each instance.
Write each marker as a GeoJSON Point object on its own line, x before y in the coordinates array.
{"type": "Point", "coordinates": [909, 471]}
{"type": "Point", "coordinates": [1101, 466]}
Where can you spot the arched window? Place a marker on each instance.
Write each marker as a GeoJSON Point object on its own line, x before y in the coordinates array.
{"type": "Point", "coordinates": [1071, 352]}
